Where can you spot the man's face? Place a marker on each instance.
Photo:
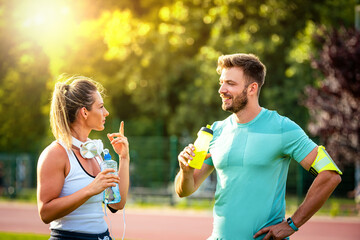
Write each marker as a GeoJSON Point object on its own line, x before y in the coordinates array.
{"type": "Point", "coordinates": [233, 89]}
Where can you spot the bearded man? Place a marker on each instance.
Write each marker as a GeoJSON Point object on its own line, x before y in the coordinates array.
{"type": "Point", "coordinates": [251, 152]}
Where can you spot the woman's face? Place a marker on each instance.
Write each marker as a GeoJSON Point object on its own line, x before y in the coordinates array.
{"type": "Point", "coordinates": [96, 117]}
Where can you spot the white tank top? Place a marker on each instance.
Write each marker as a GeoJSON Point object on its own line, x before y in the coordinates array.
{"type": "Point", "coordinates": [89, 217]}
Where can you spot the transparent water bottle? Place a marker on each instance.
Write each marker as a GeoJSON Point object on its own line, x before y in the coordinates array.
{"type": "Point", "coordinates": [110, 194]}
{"type": "Point", "coordinates": [201, 144]}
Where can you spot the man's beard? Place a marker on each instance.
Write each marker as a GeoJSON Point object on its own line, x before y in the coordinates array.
{"type": "Point", "coordinates": [238, 102]}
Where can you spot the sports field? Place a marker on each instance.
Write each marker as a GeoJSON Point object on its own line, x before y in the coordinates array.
{"type": "Point", "coordinates": [166, 224]}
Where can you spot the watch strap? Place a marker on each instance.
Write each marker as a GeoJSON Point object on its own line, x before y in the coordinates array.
{"type": "Point", "coordinates": [291, 224]}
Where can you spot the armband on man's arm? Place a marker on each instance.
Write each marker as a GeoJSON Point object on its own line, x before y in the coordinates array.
{"type": "Point", "coordinates": [323, 162]}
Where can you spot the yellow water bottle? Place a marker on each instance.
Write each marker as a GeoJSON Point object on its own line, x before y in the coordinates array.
{"type": "Point", "coordinates": [201, 144]}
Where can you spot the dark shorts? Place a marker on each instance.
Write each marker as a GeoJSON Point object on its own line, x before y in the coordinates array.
{"type": "Point", "coordinates": [66, 235]}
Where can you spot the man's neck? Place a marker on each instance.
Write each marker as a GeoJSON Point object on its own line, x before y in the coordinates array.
{"type": "Point", "coordinates": [247, 114]}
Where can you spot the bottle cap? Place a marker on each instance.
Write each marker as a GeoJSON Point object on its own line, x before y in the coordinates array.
{"type": "Point", "coordinates": [207, 129]}
{"type": "Point", "coordinates": [107, 155]}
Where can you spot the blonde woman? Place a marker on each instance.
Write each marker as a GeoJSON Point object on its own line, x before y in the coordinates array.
{"type": "Point", "coordinates": [69, 186]}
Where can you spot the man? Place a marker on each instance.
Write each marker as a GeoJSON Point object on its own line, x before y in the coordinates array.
{"type": "Point", "coordinates": [251, 152]}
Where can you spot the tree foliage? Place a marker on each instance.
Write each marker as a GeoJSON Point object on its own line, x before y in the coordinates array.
{"type": "Point", "coordinates": [157, 58]}
{"type": "Point", "coordinates": [23, 77]}
{"type": "Point", "coordinates": [334, 104]}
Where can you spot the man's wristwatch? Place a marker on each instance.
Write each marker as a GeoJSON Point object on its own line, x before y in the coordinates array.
{"type": "Point", "coordinates": [291, 224]}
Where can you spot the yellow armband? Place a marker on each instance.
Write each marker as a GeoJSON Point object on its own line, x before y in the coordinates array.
{"type": "Point", "coordinates": [323, 162]}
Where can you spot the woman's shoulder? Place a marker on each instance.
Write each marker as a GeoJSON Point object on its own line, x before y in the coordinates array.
{"type": "Point", "coordinates": [55, 153]}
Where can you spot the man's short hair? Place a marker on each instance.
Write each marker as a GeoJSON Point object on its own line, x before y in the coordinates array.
{"type": "Point", "coordinates": [254, 69]}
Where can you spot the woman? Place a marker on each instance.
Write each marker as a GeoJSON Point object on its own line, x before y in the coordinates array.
{"type": "Point", "coordinates": [69, 186]}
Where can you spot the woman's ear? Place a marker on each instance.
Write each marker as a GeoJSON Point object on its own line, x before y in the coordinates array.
{"type": "Point", "coordinates": [83, 112]}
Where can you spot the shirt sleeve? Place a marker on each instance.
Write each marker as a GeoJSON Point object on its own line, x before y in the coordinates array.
{"type": "Point", "coordinates": [209, 161]}
{"type": "Point", "coordinates": [296, 143]}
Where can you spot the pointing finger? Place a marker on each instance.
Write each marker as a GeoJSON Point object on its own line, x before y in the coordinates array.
{"type": "Point", "coordinates": [121, 129]}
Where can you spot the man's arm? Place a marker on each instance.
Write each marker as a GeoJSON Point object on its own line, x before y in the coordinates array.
{"type": "Point", "coordinates": [188, 180]}
{"type": "Point", "coordinates": [319, 191]}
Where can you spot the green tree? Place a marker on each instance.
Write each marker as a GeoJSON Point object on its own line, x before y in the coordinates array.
{"type": "Point", "coordinates": [172, 65]}
{"type": "Point", "coordinates": [159, 57]}
{"type": "Point", "coordinates": [23, 76]}
{"type": "Point", "coordinates": [334, 102]}
{"type": "Point", "coordinates": [156, 58]}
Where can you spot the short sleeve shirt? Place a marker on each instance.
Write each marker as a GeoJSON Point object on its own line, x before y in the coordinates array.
{"type": "Point", "coordinates": [251, 162]}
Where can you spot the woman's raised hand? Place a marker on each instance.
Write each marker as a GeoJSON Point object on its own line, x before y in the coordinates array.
{"type": "Point", "coordinates": [120, 142]}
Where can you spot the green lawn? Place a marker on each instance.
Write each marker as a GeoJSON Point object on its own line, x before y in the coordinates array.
{"type": "Point", "coordinates": [333, 206]}
{"type": "Point", "coordinates": [22, 236]}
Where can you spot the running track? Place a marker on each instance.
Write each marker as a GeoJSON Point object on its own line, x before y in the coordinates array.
{"type": "Point", "coordinates": [167, 224]}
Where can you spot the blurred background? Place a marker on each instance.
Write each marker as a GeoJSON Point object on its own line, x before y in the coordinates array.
{"type": "Point", "coordinates": [157, 60]}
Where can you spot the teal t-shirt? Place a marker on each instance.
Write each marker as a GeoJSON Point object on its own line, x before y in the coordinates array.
{"type": "Point", "coordinates": [251, 162]}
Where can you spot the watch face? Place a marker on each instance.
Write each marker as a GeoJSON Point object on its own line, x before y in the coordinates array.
{"type": "Point", "coordinates": [289, 220]}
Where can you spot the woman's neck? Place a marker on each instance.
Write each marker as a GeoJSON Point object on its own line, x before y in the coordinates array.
{"type": "Point", "coordinates": [80, 133]}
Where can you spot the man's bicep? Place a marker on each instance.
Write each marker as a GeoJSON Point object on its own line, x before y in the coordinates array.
{"type": "Point", "coordinates": [309, 159]}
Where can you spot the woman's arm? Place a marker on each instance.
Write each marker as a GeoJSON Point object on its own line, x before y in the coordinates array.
{"type": "Point", "coordinates": [53, 166]}
{"type": "Point", "coordinates": [121, 147]}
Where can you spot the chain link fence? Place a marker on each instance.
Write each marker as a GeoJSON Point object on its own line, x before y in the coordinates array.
{"type": "Point", "coordinates": [153, 168]}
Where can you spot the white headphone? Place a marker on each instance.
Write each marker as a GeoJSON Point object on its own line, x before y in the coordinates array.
{"type": "Point", "coordinates": [90, 148]}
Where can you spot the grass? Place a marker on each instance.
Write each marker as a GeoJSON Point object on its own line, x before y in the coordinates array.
{"type": "Point", "coordinates": [332, 207]}
{"type": "Point", "coordinates": [27, 195]}
{"type": "Point", "coordinates": [22, 236]}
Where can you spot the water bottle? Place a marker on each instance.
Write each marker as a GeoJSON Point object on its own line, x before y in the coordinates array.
{"type": "Point", "coordinates": [110, 194]}
{"type": "Point", "coordinates": [201, 144]}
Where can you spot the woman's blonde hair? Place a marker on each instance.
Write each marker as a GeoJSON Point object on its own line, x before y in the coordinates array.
{"type": "Point", "coordinates": [70, 95]}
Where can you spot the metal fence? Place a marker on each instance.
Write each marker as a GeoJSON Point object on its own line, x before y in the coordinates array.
{"type": "Point", "coordinates": [17, 172]}
{"type": "Point", "coordinates": [152, 171]}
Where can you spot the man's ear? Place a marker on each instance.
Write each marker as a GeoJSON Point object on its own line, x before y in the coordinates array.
{"type": "Point", "coordinates": [253, 88]}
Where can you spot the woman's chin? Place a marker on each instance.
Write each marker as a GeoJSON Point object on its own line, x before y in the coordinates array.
{"type": "Point", "coordinates": [100, 128]}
